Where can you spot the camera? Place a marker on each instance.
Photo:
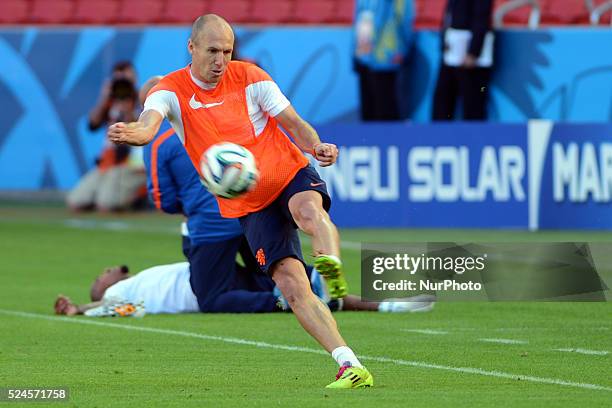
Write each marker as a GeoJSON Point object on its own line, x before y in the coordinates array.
{"type": "Point", "coordinates": [122, 89]}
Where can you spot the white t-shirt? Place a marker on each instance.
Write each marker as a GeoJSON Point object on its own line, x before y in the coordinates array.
{"type": "Point", "coordinates": [163, 289]}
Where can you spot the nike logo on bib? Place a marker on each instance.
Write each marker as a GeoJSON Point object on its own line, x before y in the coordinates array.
{"type": "Point", "coordinates": [197, 105]}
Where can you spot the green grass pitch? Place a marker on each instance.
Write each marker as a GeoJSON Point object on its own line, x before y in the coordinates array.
{"type": "Point", "coordinates": [435, 359]}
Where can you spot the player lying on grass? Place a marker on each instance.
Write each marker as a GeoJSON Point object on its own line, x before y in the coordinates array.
{"type": "Point", "coordinates": [166, 289]}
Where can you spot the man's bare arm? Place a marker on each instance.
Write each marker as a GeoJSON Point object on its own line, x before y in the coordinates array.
{"type": "Point", "coordinates": [137, 133]}
{"type": "Point", "coordinates": [64, 306]}
{"type": "Point", "coordinates": [306, 137]}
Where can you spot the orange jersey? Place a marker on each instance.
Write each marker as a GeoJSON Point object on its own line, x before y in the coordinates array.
{"type": "Point", "coordinates": [241, 110]}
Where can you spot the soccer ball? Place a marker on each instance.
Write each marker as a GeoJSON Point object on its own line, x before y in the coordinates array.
{"type": "Point", "coordinates": [228, 170]}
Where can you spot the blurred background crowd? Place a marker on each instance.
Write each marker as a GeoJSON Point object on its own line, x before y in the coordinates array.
{"type": "Point", "coordinates": [339, 61]}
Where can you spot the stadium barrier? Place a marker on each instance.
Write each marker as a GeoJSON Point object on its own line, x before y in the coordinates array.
{"type": "Point", "coordinates": [45, 142]}
{"type": "Point", "coordinates": [535, 76]}
{"type": "Point", "coordinates": [535, 176]}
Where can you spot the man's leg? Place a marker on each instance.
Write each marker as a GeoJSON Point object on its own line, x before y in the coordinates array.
{"type": "Point", "coordinates": [474, 87]}
{"type": "Point", "coordinates": [306, 208]}
{"type": "Point", "coordinates": [419, 303]}
{"type": "Point", "coordinates": [274, 240]}
{"type": "Point", "coordinates": [315, 317]}
{"type": "Point", "coordinates": [366, 94]}
{"type": "Point", "coordinates": [386, 96]}
{"type": "Point", "coordinates": [352, 302]}
{"type": "Point", "coordinates": [445, 94]}
{"type": "Point", "coordinates": [133, 181]}
{"type": "Point", "coordinates": [213, 270]}
{"type": "Point", "coordinates": [82, 197]}
{"type": "Point", "coordinates": [119, 188]}
{"type": "Point", "coordinates": [250, 276]}
{"type": "Point", "coordinates": [290, 277]}
{"type": "Point", "coordinates": [245, 301]}
{"type": "Point", "coordinates": [107, 196]}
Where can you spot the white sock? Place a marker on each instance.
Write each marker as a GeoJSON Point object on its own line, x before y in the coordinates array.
{"type": "Point", "coordinates": [344, 354]}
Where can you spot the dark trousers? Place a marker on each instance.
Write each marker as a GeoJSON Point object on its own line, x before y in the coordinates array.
{"type": "Point", "coordinates": [222, 286]}
{"type": "Point", "coordinates": [378, 94]}
{"type": "Point", "coordinates": [469, 85]}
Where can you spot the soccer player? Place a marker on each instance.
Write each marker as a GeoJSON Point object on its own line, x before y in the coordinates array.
{"type": "Point", "coordinates": [213, 100]}
{"type": "Point", "coordinates": [167, 289]}
{"type": "Point", "coordinates": [210, 242]}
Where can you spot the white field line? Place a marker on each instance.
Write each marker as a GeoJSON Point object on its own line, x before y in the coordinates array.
{"type": "Point", "coordinates": [503, 341]}
{"type": "Point", "coordinates": [261, 344]}
{"type": "Point", "coordinates": [583, 351]}
{"type": "Point", "coordinates": [601, 328]}
{"type": "Point", "coordinates": [425, 331]}
{"type": "Point", "coordinates": [512, 341]}
{"type": "Point", "coordinates": [96, 224]}
{"type": "Point", "coordinates": [518, 329]}
{"type": "Point", "coordinates": [86, 224]}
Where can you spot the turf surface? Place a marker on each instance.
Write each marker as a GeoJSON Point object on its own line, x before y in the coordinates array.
{"type": "Point", "coordinates": [207, 360]}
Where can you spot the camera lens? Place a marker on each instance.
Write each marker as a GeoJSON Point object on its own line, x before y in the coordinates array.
{"type": "Point", "coordinates": [122, 88]}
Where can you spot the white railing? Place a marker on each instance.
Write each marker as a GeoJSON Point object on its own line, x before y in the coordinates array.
{"type": "Point", "coordinates": [534, 16]}
{"type": "Point", "coordinates": [598, 11]}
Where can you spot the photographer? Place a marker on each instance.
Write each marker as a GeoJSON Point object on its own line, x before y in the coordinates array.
{"type": "Point", "coordinates": [113, 184]}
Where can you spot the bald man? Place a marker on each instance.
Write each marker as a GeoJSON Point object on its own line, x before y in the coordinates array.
{"type": "Point", "coordinates": [210, 242]}
{"type": "Point", "coordinates": [216, 100]}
